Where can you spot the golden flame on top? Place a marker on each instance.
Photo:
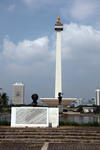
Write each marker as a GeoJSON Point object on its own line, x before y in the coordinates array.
{"type": "Point", "coordinates": [58, 20]}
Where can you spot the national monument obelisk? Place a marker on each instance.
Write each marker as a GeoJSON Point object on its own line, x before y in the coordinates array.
{"type": "Point", "coordinates": [58, 76]}
{"type": "Point", "coordinates": [53, 102]}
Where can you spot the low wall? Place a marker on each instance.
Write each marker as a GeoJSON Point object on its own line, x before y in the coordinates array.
{"type": "Point", "coordinates": [34, 117]}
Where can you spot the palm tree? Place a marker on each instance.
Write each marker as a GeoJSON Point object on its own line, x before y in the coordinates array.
{"type": "Point", "coordinates": [4, 99]}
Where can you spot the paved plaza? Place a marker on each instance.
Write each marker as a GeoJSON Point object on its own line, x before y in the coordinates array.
{"type": "Point", "coordinates": [49, 146]}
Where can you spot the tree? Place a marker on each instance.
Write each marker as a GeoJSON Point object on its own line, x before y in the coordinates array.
{"type": "Point", "coordinates": [97, 109]}
{"type": "Point", "coordinates": [4, 99]}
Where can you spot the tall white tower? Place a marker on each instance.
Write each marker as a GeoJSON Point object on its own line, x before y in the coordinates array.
{"type": "Point", "coordinates": [58, 77]}
{"type": "Point", "coordinates": [97, 102]}
{"type": "Point", "coordinates": [18, 93]}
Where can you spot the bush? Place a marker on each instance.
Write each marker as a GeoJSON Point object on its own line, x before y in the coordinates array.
{"type": "Point", "coordinates": [80, 109]}
{"type": "Point", "coordinates": [62, 123]}
{"type": "Point", "coordinates": [4, 123]}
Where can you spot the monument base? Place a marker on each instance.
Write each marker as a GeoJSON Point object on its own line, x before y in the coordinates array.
{"type": "Point", "coordinates": [54, 102]}
{"type": "Point", "coordinates": [60, 109]}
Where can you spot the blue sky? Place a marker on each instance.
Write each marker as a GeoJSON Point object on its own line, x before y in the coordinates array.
{"type": "Point", "coordinates": [28, 45]}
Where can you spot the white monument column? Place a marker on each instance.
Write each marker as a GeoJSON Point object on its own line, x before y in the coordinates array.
{"type": "Point", "coordinates": [58, 77]}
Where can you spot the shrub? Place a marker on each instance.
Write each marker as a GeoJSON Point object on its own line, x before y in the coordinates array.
{"type": "Point", "coordinates": [4, 123]}
{"type": "Point", "coordinates": [62, 123]}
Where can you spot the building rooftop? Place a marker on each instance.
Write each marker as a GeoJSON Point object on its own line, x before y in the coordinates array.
{"type": "Point", "coordinates": [18, 83]}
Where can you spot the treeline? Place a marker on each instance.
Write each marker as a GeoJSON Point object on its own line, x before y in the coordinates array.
{"type": "Point", "coordinates": [4, 99]}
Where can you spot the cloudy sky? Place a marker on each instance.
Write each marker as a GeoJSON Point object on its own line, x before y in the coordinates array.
{"type": "Point", "coordinates": [28, 46]}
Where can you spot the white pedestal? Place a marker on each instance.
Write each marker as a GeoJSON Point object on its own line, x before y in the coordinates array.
{"type": "Point", "coordinates": [60, 109]}
{"type": "Point", "coordinates": [34, 117]}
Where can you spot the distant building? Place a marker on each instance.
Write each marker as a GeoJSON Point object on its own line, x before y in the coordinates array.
{"type": "Point", "coordinates": [18, 93]}
{"type": "Point", "coordinates": [97, 100]}
{"type": "Point", "coordinates": [78, 102]}
{"type": "Point", "coordinates": [88, 109]}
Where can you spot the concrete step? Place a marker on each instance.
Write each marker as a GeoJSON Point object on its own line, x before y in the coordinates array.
{"type": "Point", "coordinates": [48, 137]}
{"type": "Point", "coordinates": [47, 133]}
{"type": "Point", "coordinates": [50, 133]}
{"type": "Point", "coordinates": [49, 130]}
{"type": "Point", "coordinates": [72, 128]}
{"type": "Point", "coordinates": [41, 135]}
{"type": "Point", "coordinates": [49, 140]}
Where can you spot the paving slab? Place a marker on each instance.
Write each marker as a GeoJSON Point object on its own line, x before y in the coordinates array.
{"type": "Point", "coordinates": [20, 146]}
{"type": "Point", "coordinates": [71, 146]}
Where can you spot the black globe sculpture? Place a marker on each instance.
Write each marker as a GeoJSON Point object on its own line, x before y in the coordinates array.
{"type": "Point", "coordinates": [34, 98]}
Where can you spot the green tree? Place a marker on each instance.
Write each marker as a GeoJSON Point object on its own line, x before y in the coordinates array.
{"type": "Point", "coordinates": [4, 99]}
{"type": "Point", "coordinates": [97, 110]}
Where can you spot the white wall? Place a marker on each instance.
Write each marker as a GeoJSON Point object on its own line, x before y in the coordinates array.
{"type": "Point", "coordinates": [34, 117]}
{"type": "Point", "coordinates": [53, 116]}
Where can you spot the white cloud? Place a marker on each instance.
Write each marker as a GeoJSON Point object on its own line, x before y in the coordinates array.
{"type": "Point", "coordinates": [81, 9]}
{"type": "Point", "coordinates": [26, 50]}
{"type": "Point", "coordinates": [81, 43]}
{"type": "Point", "coordinates": [11, 7]}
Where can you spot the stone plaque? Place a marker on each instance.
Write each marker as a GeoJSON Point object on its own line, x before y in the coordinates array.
{"type": "Point", "coordinates": [29, 116]}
